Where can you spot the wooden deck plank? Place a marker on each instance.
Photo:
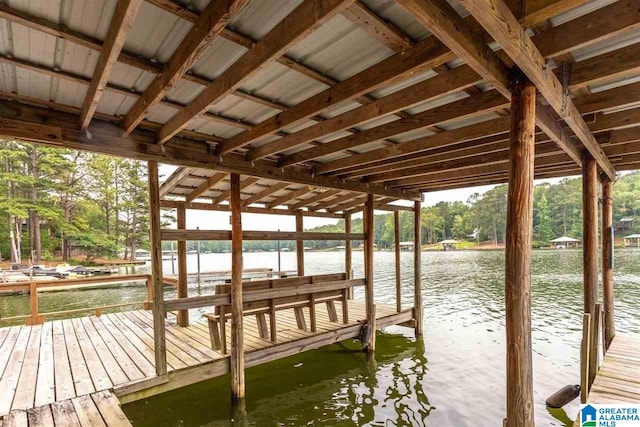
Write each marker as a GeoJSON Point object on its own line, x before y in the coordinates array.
{"type": "Point", "coordinates": [97, 370]}
{"type": "Point", "coordinates": [64, 414]}
{"type": "Point", "coordinates": [143, 341]}
{"type": "Point", "coordinates": [201, 352]}
{"type": "Point", "coordinates": [113, 369]}
{"type": "Point", "coordinates": [87, 412]}
{"type": "Point", "coordinates": [40, 417]}
{"type": "Point", "coordinates": [9, 380]}
{"type": "Point", "coordinates": [16, 419]}
{"type": "Point", "coordinates": [7, 347]}
{"type": "Point", "coordinates": [26, 389]}
{"type": "Point", "coordinates": [173, 345]}
{"type": "Point", "coordinates": [109, 408]}
{"type": "Point", "coordinates": [111, 353]}
{"type": "Point", "coordinates": [141, 356]}
{"type": "Point", "coordinates": [79, 370]}
{"type": "Point", "coordinates": [45, 386]}
{"type": "Point", "coordinates": [65, 388]}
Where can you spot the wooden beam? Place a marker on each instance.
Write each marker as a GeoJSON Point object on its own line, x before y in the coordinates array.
{"type": "Point", "coordinates": [237, 330]}
{"type": "Point", "coordinates": [607, 262]}
{"type": "Point", "coordinates": [369, 232]}
{"type": "Point", "coordinates": [183, 285]}
{"type": "Point", "coordinates": [500, 23]}
{"type": "Point", "coordinates": [297, 25]}
{"type": "Point", "coordinates": [294, 194]}
{"type": "Point", "coordinates": [590, 251]}
{"type": "Point", "coordinates": [538, 11]}
{"type": "Point", "coordinates": [177, 235]}
{"type": "Point", "coordinates": [248, 209]}
{"type": "Point", "coordinates": [383, 31]}
{"type": "Point", "coordinates": [265, 193]}
{"type": "Point", "coordinates": [173, 180]}
{"type": "Point", "coordinates": [465, 108]}
{"type": "Point", "coordinates": [345, 198]}
{"type": "Point", "coordinates": [617, 64]}
{"type": "Point", "coordinates": [424, 55]}
{"type": "Point", "coordinates": [348, 267]}
{"type": "Point", "coordinates": [308, 202]}
{"type": "Point", "coordinates": [396, 247]}
{"type": "Point", "coordinates": [417, 267]}
{"type": "Point", "coordinates": [209, 183]}
{"type": "Point", "coordinates": [121, 22]}
{"type": "Point", "coordinates": [300, 244]}
{"type": "Point", "coordinates": [55, 128]}
{"type": "Point", "coordinates": [447, 25]}
{"type": "Point", "coordinates": [520, 412]}
{"type": "Point", "coordinates": [210, 24]}
{"type": "Point", "coordinates": [439, 85]}
{"type": "Point", "coordinates": [160, 345]}
{"type": "Point", "coordinates": [244, 184]}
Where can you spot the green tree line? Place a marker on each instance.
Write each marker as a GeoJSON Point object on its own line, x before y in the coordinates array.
{"type": "Point", "coordinates": [55, 201]}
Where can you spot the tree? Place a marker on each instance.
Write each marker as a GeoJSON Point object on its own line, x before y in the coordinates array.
{"type": "Point", "coordinates": [542, 230]}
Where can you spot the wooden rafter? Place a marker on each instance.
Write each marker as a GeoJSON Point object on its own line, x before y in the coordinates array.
{"type": "Point", "coordinates": [173, 180]}
{"type": "Point", "coordinates": [265, 193]}
{"type": "Point", "coordinates": [121, 22]}
{"type": "Point", "coordinates": [293, 28]}
{"type": "Point", "coordinates": [210, 23]}
{"type": "Point", "coordinates": [447, 25]}
{"type": "Point", "coordinates": [440, 85]}
{"type": "Point", "coordinates": [497, 19]}
{"type": "Point", "coordinates": [244, 184]}
{"type": "Point", "coordinates": [465, 108]}
{"type": "Point", "coordinates": [294, 194]}
{"type": "Point", "coordinates": [379, 29]}
{"type": "Point", "coordinates": [314, 199]}
{"type": "Point", "coordinates": [60, 129]}
{"type": "Point", "coordinates": [209, 183]}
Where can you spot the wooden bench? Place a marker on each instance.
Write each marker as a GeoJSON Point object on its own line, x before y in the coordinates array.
{"type": "Point", "coordinates": [264, 297]}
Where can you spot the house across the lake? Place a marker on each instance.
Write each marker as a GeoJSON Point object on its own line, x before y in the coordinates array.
{"type": "Point", "coordinates": [406, 246]}
{"type": "Point", "coordinates": [565, 242]}
{"type": "Point", "coordinates": [632, 240]}
{"type": "Point", "coordinates": [450, 244]}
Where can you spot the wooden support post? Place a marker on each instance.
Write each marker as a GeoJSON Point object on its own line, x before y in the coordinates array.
{"type": "Point", "coordinates": [35, 318]}
{"type": "Point", "coordinates": [160, 345]}
{"type": "Point", "coordinates": [368, 271]}
{"type": "Point", "coordinates": [417, 267]}
{"type": "Point", "coordinates": [584, 357]}
{"type": "Point", "coordinates": [183, 290]}
{"type": "Point", "coordinates": [237, 332]}
{"type": "Point", "coordinates": [348, 267]}
{"type": "Point", "coordinates": [520, 412]}
{"type": "Point", "coordinates": [590, 249]}
{"type": "Point", "coordinates": [607, 261]}
{"type": "Point", "coordinates": [300, 244]}
{"type": "Point", "coordinates": [396, 234]}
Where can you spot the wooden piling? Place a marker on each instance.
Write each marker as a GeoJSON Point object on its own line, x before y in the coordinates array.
{"type": "Point", "coordinates": [300, 244]}
{"type": "Point", "coordinates": [368, 271]}
{"type": "Point", "coordinates": [417, 267]}
{"type": "Point", "coordinates": [607, 262]}
{"type": "Point", "coordinates": [584, 357]}
{"type": "Point", "coordinates": [155, 244]}
{"type": "Point", "coordinates": [348, 267]}
{"type": "Point", "coordinates": [396, 238]}
{"type": "Point", "coordinates": [237, 332]}
{"type": "Point", "coordinates": [518, 253]}
{"type": "Point", "coordinates": [590, 249]}
{"type": "Point", "coordinates": [183, 290]}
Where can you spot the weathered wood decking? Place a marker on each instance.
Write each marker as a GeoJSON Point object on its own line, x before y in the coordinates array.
{"type": "Point", "coordinates": [618, 379]}
{"type": "Point", "coordinates": [63, 359]}
{"type": "Point", "coordinates": [100, 409]}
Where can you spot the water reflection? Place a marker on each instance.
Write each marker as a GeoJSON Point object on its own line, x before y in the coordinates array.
{"type": "Point", "coordinates": [336, 385]}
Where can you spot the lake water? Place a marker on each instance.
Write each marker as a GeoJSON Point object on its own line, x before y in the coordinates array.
{"type": "Point", "coordinates": [455, 376]}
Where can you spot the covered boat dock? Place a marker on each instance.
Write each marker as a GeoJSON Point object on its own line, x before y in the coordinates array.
{"type": "Point", "coordinates": [318, 108]}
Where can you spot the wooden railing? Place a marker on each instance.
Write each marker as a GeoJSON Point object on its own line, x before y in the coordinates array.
{"type": "Point", "coordinates": [36, 317]}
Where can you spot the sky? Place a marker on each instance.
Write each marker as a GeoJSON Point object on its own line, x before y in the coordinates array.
{"type": "Point", "coordinates": [211, 220]}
